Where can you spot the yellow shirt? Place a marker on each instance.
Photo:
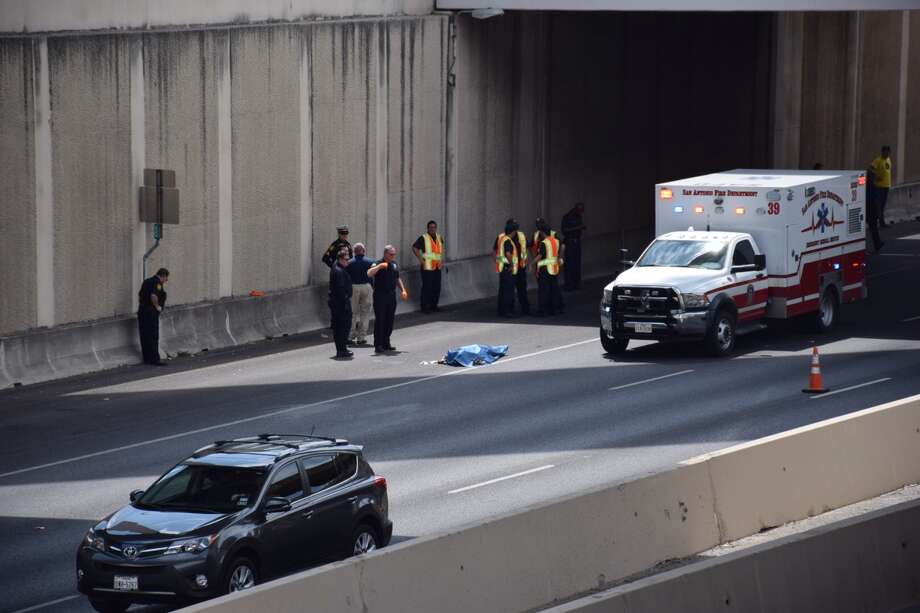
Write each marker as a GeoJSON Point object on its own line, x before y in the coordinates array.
{"type": "Point", "coordinates": [881, 170]}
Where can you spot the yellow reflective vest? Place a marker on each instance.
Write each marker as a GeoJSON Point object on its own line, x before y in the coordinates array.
{"type": "Point", "coordinates": [501, 260]}
{"type": "Point", "coordinates": [433, 252]}
{"type": "Point", "coordinates": [551, 259]}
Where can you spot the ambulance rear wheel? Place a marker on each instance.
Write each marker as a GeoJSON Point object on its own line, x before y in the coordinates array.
{"type": "Point", "coordinates": [615, 345]}
{"type": "Point", "coordinates": [720, 339]}
{"type": "Point", "coordinates": [828, 310]}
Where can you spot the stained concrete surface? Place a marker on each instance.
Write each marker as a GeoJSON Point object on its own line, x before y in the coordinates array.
{"type": "Point", "coordinates": [17, 184]}
{"type": "Point", "coordinates": [180, 104]}
{"type": "Point", "coordinates": [91, 156]}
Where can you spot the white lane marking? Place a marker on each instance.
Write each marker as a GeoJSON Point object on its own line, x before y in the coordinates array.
{"type": "Point", "coordinates": [505, 478]}
{"type": "Point", "coordinates": [912, 237]}
{"type": "Point", "coordinates": [673, 374]}
{"type": "Point", "coordinates": [852, 387]}
{"type": "Point", "coordinates": [299, 407]}
{"type": "Point", "coordinates": [50, 603]}
{"type": "Point", "coordinates": [904, 321]}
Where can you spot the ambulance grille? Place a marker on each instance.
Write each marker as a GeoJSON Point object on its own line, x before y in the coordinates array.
{"type": "Point", "coordinates": [854, 223]}
{"type": "Point", "coordinates": [647, 302]}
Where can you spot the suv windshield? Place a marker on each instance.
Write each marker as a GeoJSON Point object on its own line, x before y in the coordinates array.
{"type": "Point", "coordinates": [685, 254]}
{"type": "Point", "coordinates": [202, 488]}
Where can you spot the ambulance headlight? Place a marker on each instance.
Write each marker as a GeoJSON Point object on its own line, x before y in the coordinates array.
{"type": "Point", "coordinates": [694, 301]}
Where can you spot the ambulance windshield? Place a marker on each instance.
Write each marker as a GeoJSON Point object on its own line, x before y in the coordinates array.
{"type": "Point", "coordinates": [685, 254]}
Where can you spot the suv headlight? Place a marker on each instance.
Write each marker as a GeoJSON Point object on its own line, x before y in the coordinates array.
{"type": "Point", "coordinates": [608, 296]}
{"type": "Point", "coordinates": [94, 541]}
{"type": "Point", "coordinates": [695, 301]}
{"type": "Point", "coordinates": [195, 545]}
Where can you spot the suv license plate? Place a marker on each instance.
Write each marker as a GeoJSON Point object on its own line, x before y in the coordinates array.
{"type": "Point", "coordinates": [125, 584]}
{"type": "Point", "coordinates": [642, 328]}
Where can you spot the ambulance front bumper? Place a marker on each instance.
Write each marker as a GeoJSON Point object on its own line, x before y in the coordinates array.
{"type": "Point", "coordinates": [678, 325]}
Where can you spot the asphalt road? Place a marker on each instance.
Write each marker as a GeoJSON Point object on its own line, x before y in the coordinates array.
{"type": "Point", "coordinates": [553, 418]}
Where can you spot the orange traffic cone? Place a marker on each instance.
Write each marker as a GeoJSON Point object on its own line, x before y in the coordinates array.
{"type": "Point", "coordinates": [815, 386]}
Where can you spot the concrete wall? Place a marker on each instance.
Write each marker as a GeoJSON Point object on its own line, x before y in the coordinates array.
{"type": "Point", "coordinates": [17, 184]}
{"type": "Point", "coordinates": [56, 15]}
{"type": "Point", "coordinates": [863, 564]}
{"type": "Point", "coordinates": [554, 551]}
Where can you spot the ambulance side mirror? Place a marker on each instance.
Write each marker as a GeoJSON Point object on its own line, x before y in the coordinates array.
{"type": "Point", "coordinates": [760, 262]}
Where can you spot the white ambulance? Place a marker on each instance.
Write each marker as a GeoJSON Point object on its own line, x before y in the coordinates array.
{"type": "Point", "coordinates": [737, 248]}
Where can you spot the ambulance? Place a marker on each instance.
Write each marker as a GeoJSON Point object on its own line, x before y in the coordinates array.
{"type": "Point", "coordinates": [738, 248]}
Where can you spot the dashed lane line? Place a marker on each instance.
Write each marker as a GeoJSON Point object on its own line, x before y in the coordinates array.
{"type": "Point", "coordinates": [851, 388]}
{"type": "Point", "coordinates": [644, 381]}
{"type": "Point", "coordinates": [45, 605]}
{"type": "Point", "coordinates": [500, 479]}
{"type": "Point", "coordinates": [301, 407]}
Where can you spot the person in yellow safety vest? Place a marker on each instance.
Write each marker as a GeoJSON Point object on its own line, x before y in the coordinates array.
{"type": "Point", "coordinates": [520, 278]}
{"type": "Point", "coordinates": [429, 249]}
{"type": "Point", "coordinates": [506, 265]}
{"type": "Point", "coordinates": [548, 264]}
{"type": "Point", "coordinates": [541, 226]}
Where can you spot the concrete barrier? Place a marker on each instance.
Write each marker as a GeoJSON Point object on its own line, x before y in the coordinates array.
{"type": "Point", "coordinates": [557, 550]}
{"type": "Point", "coordinates": [867, 563]}
{"type": "Point", "coordinates": [903, 203]}
{"type": "Point", "coordinates": [75, 349]}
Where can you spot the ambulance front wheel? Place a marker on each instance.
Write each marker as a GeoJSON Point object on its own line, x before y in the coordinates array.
{"type": "Point", "coordinates": [828, 310]}
{"type": "Point", "coordinates": [615, 345]}
{"type": "Point", "coordinates": [720, 338]}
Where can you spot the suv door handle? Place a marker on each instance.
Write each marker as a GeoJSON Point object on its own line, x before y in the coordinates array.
{"type": "Point", "coordinates": [307, 514]}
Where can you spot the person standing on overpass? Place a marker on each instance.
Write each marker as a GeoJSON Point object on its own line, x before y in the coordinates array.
{"type": "Point", "coordinates": [573, 224]}
{"type": "Point", "coordinates": [361, 298]}
{"type": "Point", "coordinates": [548, 263]}
{"type": "Point", "coordinates": [520, 279]}
{"type": "Point", "coordinates": [429, 249]}
{"type": "Point", "coordinates": [332, 253]}
{"type": "Point", "coordinates": [506, 265]}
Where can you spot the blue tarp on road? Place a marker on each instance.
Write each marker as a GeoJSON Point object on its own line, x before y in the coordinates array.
{"type": "Point", "coordinates": [475, 355]}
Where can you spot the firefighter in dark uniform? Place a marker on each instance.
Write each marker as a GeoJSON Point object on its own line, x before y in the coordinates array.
{"type": "Point", "coordinates": [385, 273]}
{"type": "Point", "coordinates": [520, 279]}
{"type": "Point", "coordinates": [340, 304]}
{"type": "Point", "coordinates": [573, 224]}
{"type": "Point", "coordinates": [150, 302]}
{"type": "Point", "coordinates": [506, 265]}
{"type": "Point", "coordinates": [548, 264]}
{"type": "Point", "coordinates": [332, 253]}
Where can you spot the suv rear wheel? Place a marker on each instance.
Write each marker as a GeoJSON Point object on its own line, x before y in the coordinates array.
{"type": "Point", "coordinates": [241, 575]}
{"type": "Point", "coordinates": [720, 339]}
{"type": "Point", "coordinates": [364, 540]}
{"type": "Point", "coordinates": [613, 345]}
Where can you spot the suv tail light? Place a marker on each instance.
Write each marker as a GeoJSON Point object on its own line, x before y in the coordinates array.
{"type": "Point", "coordinates": [380, 481]}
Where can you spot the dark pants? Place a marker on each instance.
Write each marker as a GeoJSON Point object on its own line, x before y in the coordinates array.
{"type": "Point", "coordinates": [431, 289]}
{"type": "Point", "coordinates": [384, 312]}
{"type": "Point", "coordinates": [872, 220]}
{"type": "Point", "coordinates": [881, 199]}
{"type": "Point", "coordinates": [341, 324]}
{"type": "Point", "coordinates": [548, 294]}
{"type": "Point", "coordinates": [506, 293]}
{"type": "Point", "coordinates": [520, 283]}
{"type": "Point", "coordinates": [572, 266]}
{"type": "Point", "coordinates": [148, 325]}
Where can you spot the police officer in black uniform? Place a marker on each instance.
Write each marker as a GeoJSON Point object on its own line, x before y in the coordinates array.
{"type": "Point", "coordinates": [340, 304]}
{"type": "Point", "coordinates": [332, 253]}
{"type": "Point", "coordinates": [385, 273]}
{"type": "Point", "coordinates": [150, 302]}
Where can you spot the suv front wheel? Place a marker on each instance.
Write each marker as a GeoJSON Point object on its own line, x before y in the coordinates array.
{"type": "Point", "coordinates": [241, 575]}
{"type": "Point", "coordinates": [613, 346]}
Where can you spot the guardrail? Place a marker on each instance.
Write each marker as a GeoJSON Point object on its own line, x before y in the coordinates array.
{"type": "Point", "coordinates": [554, 551]}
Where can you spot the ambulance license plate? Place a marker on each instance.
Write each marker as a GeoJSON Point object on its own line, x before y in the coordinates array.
{"type": "Point", "coordinates": [643, 328]}
{"type": "Point", "coordinates": [125, 584]}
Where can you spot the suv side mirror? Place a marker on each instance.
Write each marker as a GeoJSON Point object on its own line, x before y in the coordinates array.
{"type": "Point", "coordinates": [136, 495]}
{"type": "Point", "coordinates": [760, 261]}
{"type": "Point", "coordinates": [276, 505]}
